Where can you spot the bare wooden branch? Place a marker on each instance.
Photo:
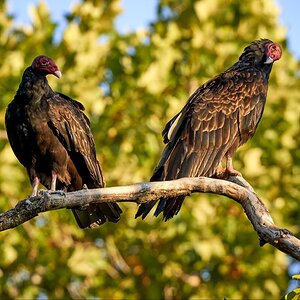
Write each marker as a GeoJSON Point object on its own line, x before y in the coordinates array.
{"type": "Point", "coordinates": [235, 188]}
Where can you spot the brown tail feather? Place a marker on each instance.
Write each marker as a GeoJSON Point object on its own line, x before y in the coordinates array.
{"type": "Point", "coordinates": [96, 215]}
{"type": "Point", "coordinates": [145, 208]}
{"type": "Point", "coordinates": [169, 206]}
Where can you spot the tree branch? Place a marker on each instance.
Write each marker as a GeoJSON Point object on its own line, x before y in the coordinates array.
{"type": "Point", "coordinates": [235, 188]}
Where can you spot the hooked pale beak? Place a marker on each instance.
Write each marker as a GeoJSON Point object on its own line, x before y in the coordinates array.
{"type": "Point", "coordinates": [269, 60]}
{"type": "Point", "coordinates": [57, 73]}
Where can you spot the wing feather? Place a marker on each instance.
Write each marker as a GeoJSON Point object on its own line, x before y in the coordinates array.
{"type": "Point", "coordinates": [18, 133]}
{"type": "Point", "coordinates": [70, 125]}
{"type": "Point", "coordinates": [199, 136]}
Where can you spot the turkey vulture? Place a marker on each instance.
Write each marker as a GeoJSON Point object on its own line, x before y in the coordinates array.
{"type": "Point", "coordinates": [51, 137]}
{"type": "Point", "coordinates": [220, 116]}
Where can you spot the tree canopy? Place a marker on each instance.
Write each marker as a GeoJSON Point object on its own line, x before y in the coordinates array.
{"type": "Point", "coordinates": [131, 84]}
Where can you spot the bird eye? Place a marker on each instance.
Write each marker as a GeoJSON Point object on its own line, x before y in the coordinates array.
{"type": "Point", "coordinates": [45, 63]}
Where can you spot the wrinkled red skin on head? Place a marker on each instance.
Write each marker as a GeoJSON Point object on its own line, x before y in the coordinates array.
{"type": "Point", "coordinates": [44, 65]}
{"type": "Point", "coordinates": [273, 50]}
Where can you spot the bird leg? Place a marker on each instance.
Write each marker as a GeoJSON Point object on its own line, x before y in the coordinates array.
{"type": "Point", "coordinates": [223, 173]}
{"type": "Point", "coordinates": [35, 184]}
{"type": "Point", "coordinates": [53, 180]}
{"type": "Point", "coordinates": [230, 171]}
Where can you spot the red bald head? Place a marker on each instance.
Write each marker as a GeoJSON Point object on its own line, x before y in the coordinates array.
{"type": "Point", "coordinates": [273, 52]}
{"type": "Point", "coordinates": [44, 65]}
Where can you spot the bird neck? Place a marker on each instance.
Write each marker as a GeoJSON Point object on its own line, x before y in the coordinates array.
{"type": "Point", "coordinates": [264, 69]}
{"type": "Point", "coordinates": [33, 87]}
{"type": "Point", "coordinates": [267, 68]}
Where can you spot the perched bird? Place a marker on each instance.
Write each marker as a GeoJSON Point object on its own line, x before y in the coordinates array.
{"type": "Point", "coordinates": [51, 137]}
{"type": "Point", "coordinates": [219, 117]}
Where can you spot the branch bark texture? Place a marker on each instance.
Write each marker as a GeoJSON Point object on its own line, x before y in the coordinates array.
{"type": "Point", "coordinates": [235, 188]}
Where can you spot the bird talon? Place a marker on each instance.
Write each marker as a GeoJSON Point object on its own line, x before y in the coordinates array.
{"type": "Point", "coordinates": [220, 175]}
{"type": "Point", "coordinates": [232, 172]}
{"type": "Point", "coordinates": [225, 173]}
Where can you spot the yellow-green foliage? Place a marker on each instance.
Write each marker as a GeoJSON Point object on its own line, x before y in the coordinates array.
{"type": "Point", "coordinates": [294, 294]}
{"type": "Point", "coordinates": [131, 85]}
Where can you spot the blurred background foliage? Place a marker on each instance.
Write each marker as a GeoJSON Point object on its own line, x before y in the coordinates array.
{"type": "Point", "coordinates": [131, 85]}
